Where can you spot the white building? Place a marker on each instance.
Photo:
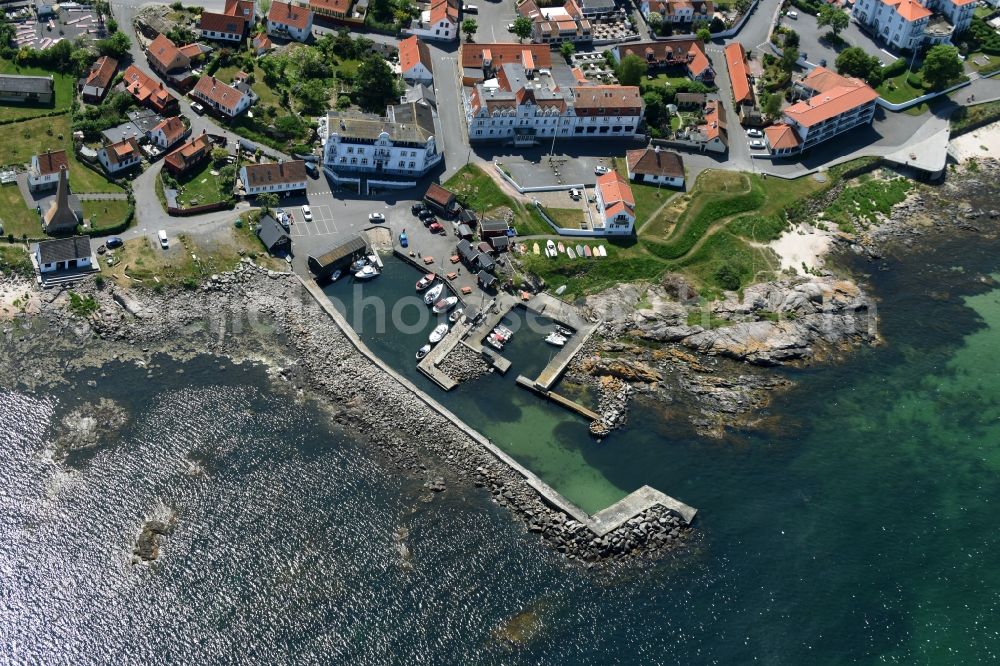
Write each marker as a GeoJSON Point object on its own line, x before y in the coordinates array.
{"type": "Point", "coordinates": [834, 105]}
{"type": "Point", "coordinates": [289, 21]}
{"type": "Point", "coordinates": [679, 11]}
{"type": "Point", "coordinates": [222, 97]}
{"type": "Point", "coordinates": [222, 27]}
{"type": "Point", "coordinates": [277, 177]}
{"type": "Point", "coordinates": [62, 254]}
{"type": "Point", "coordinates": [415, 61]}
{"type": "Point", "coordinates": [525, 106]}
{"type": "Point", "coordinates": [440, 22]}
{"type": "Point", "coordinates": [120, 156]}
{"type": "Point", "coordinates": [402, 143]}
{"type": "Point", "coordinates": [45, 168]}
{"type": "Point", "coordinates": [167, 133]}
{"type": "Point", "coordinates": [911, 24]}
{"type": "Point", "coordinates": [615, 206]}
{"type": "Point", "coordinates": [655, 166]}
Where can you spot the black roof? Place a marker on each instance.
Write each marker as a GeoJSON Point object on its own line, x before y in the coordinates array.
{"type": "Point", "coordinates": [493, 225]}
{"type": "Point", "coordinates": [485, 261]}
{"type": "Point", "coordinates": [486, 279]}
{"type": "Point", "coordinates": [25, 84]}
{"type": "Point", "coordinates": [500, 242]}
{"type": "Point", "coordinates": [466, 251]}
{"type": "Point", "coordinates": [271, 233]}
{"type": "Point", "coordinates": [467, 216]}
{"type": "Point", "coordinates": [464, 230]}
{"type": "Point", "coordinates": [63, 249]}
{"type": "Point", "coordinates": [326, 262]}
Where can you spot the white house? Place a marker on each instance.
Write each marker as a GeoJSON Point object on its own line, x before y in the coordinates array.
{"type": "Point", "coordinates": [289, 21]}
{"type": "Point", "coordinates": [220, 96]}
{"type": "Point", "coordinates": [62, 254]}
{"type": "Point", "coordinates": [415, 61]}
{"type": "Point", "coordinates": [655, 166]}
{"type": "Point", "coordinates": [278, 177]}
{"type": "Point", "coordinates": [167, 133]}
{"type": "Point", "coordinates": [117, 157]}
{"type": "Point", "coordinates": [402, 143]}
{"type": "Point", "coordinates": [912, 24]}
{"type": "Point", "coordinates": [44, 170]}
{"type": "Point", "coordinates": [615, 205]}
{"type": "Point", "coordinates": [440, 22]}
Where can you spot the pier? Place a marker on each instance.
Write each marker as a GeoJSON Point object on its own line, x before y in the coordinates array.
{"type": "Point", "coordinates": [429, 364]}
{"type": "Point", "coordinates": [557, 398]}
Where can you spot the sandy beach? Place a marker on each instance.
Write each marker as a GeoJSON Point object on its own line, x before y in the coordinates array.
{"type": "Point", "coordinates": [983, 142]}
{"type": "Point", "coordinates": [802, 244]}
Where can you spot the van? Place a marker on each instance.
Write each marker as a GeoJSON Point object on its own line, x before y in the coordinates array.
{"type": "Point", "coordinates": [162, 236]}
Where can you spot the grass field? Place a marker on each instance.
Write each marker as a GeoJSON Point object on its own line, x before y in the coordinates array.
{"type": "Point", "coordinates": [105, 214]}
{"type": "Point", "coordinates": [478, 191]}
{"type": "Point", "coordinates": [626, 262]}
{"type": "Point", "coordinates": [862, 203]}
{"type": "Point", "coordinates": [648, 198]}
{"type": "Point", "coordinates": [267, 94]}
{"type": "Point", "coordinates": [200, 188]}
{"type": "Point", "coordinates": [15, 216]}
{"type": "Point", "coordinates": [63, 85]}
{"type": "Point", "coordinates": [15, 258]}
{"type": "Point", "coordinates": [567, 218]}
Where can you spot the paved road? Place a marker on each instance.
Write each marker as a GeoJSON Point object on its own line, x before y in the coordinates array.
{"type": "Point", "coordinates": [817, 49]}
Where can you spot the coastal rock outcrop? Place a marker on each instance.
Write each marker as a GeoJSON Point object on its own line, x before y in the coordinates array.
{"type": "Point", "coordinates": [87, 427]}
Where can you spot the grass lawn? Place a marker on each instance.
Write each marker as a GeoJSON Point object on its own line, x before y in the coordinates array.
{"type": "Point", "coordinates": [200, 187]}
{"type": "Point", "coordinates": [267, 94]}
{"type": "Point", "coordinates": [63, 85]}
{"type": "Point", "coordinates": [105, 214]}
{"type": "Point", "coordinates": [567, 218]}
{"type": "Point", "coordinates": [648, 198]}
{"type": "Point", "coordinates": [662, 80]}
{"type": "Point", "coordinates": [965, 116]}
{"type": "Point", "coordinates": [15, 258]}
{"type": "Point", "coordinates": [862, 203]}
{"type": "Point", "coordinates": [478, 191]}
{"type": "Point", "coordinates": [15, 216]}
{"type": "Point", "coordinates": [898, 89]}
{"type": "Point", "coordinates": [626, 262]}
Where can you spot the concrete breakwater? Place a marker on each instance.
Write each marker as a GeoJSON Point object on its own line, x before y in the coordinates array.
{"type": "Point", "coordinates": [319, 352]}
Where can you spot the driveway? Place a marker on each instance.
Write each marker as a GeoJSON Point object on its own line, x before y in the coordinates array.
{"type": "Point", "coordinates": [816, 49]}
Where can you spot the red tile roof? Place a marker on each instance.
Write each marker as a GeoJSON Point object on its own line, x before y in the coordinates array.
{"type": "Point", "coordinates": [147, 90]}
{"type": "Point", "coordinates": [830, 104]}
{"type": "Point", "coordinates": [655, 162]}
{"type": "Point", "coordinates": [52, 161]}
{"type": "Point", "coordinates": [190, 153]}
{"type": "Point", "coordinates": [781, 136]}
{"type": "Point", "coordinates": [173, 129]}
{"type": "Point", "coordinates": [259, 175]}
{"type": "Point", "coordinates": [444, 9]}
{"type": "Point", "coordinates": [822, 79]}
{"type": "Point", "coordinates": [909, 10]}
{"type": "Point", "coordinates": [262, 43]}
{"type": "Point", "coordinates": [673, 50]}
{"type": "Point", "coordinates": [738, 75]}
{"type": "Point", "coordinates": [507, 53]}
{"type": "Point", "coordinates": [330, 6]}
{"type": "Point", "coordinates": [223, 23]}
{"type": "Point", "coordinates": [102, 71]}
{"type": "Point", "coordinates": [242, 8]}
{"type": "Point", "coordinates": [711, 128]}
{"type": "Point", "coordinates": [607, 97]}
{"type": "Point", "coordinates": [439, 195]}
{"type": "Point", "coordinates": [165, 54]}
{"type": "Point", "coordinates": [285, 13]}
{"type": "Point", "coordinates": [412, 52]}
{"type": "Point", "coordinates": [222, 94]}
{"type": "Point", "coordinates": [615, 189]}
{"type": "Point", "coordinates": [121, 151]}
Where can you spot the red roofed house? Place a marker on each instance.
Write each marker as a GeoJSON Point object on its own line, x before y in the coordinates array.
{"type": "Point", "coordinates": [615, 205]}
{"type": "Point", "coordinates": [555, 25]}
{"type": "Point", "coordinates": [440, 22]}
{"type": "Point", "coordinates": [656, 166]}
{"type": "Point", "coordinates": [120, 156]}
{"type": "Point", "coordinates": [289, 21]}
{"type": "Point", "coordinates": [835, 104]}
{"type": "Point", "coordinates": [191, 153]}
{"type": "Point", "coordinates": [679, 11]}
{"type": "Point", "coordinates": [274, 177]}
{"type": "Point", "coordinates": [331, 8]}
{"type": "Point", "coordinates": [415, 61]}
{"type": "Point", "coordinates": [262, 44]}
{"type": "Point", "coordinates": [95, 84]}
{"type": "Point", "coordinates": [743, 97]}
{"type": "Point", "coordinates": [220, 96]}
{"type": "Point", "coordinates": [45, 168]}
{"type": "Point", "coordinates": [172, 62]}
{"type": "Point", "coordinates": [245, 9]}
{"type": "Point", "coordinates": [482, 61]}
{"type": "Point", "coordinates": [913, 24]}
{"type": "Point", "coordinates": [222, 27]}
{"type": "Point", "coordinates": [167, 133]}
{"type": "Point", "coordinates": [683, 52]}
{"type": "Point", "coordinates": [149, 91]}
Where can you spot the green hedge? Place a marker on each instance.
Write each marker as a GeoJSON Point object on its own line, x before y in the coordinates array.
{"type": "Point", "coordinates": [897, 67]}
{"type": "Point", "coordinates": [116, 229]}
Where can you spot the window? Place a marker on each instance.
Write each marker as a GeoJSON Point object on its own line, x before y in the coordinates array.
{"type": "Point", "coordinates": [350, 150]}
{"type": "Point", "coordinates": [412, 164]}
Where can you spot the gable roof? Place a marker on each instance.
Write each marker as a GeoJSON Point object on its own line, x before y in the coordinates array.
{"type": "Point", "coordinates": [173, 129]}
{"type": "Point", "coordinates": [223, 23]}
{"type": "Point", "coordinates": [828, 104]}
{"type": "Point", "coordinates": [242, 8]}
{"type": "Point", "coordinates": [607, 97]}
{"type": "Point", "coordinates": [101, 72]}
{"type": "Point", "coordinates": [444, 10]}
{"type": "Point", "coordinates": [145, 89]}
{"type": "Point", "coordinates": [664, 50]}
{"type": "Point", "coordinates": [615, 189]}
{"type": "Point", "coordinates": [413, 52]}
{"type": "Point", "coordinates": [262, 42]}
{"type": "Point", "coordinates": [822, 79]}
{"type": "Point", "coordinates": [270, 232]}
{"type": "Point", "coordinates": [64, 249]}
{"type": "Point", "coordinates": [781, 135]}
{"type": "Point", "coordinates": [288, 14]}
{"type": "Point", "coordinates": [191, 151]}
{"type": "Point", "coordinates": [439, 195]}
{"type": "Point", "coordinates": [166, 54]}
{"type": "Point", "coordinates": [334, 6]}
{"type": "Point", "coordinates": [220, 93]}
{"type": "Point", "coordinates": [122, 150]}
{"type": "Point", "coordinates": [472, 55]}
{"type": "Point", "coordinates": [738, 75]}
{"type": "Point", "coordinates": [655, 162]}
{"type": "Point", "coordinates": [259, 175]}
{"type": "Point", "coordinates": [52, 161]}
{"type": "Point", "coordinates": [909, 10]}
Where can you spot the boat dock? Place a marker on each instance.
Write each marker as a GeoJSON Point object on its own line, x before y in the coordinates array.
{"type": "Point", "coordinates": [558, 399]}
{"type": "Point", "coordinates": [429, 364]}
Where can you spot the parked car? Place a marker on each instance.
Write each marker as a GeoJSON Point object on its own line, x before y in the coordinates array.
{"type": "Point", "coordinates": [792, 15]}
{"type": "Point", "coordinates": [435, 228]}
{"type": "Point", "coordinates": [417, 208]}
{"type": "Point", "coordinates": [307, 213]}
{"type": "Point", "coordinates": [470, 9]}
{"type": "Point", "coordinates": [162, 236]}
{"type": "Point", "coordinates": [114, 242]}
{"type": "Point", "coordinates": [575, 194]}
{"type": "Point", "coordinates": [757, 144]}
{"type": "Point", "coordinates": [425, 214]}
{"type": "Point", "coordinates": [510, 27]}
{"type": "Point", "coordinates": [197, 108]}
{"type": "Point", "coordinates": [376, 218]}
{"type": "Point", "coordinates": [428, 221]}
{"type": "Point", "coordinates": [601, 170]}
{"type": "Point", "coordinates": [755, 133]}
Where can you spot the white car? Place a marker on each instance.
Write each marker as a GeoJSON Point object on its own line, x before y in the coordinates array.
{"type": "Point", "coordinates": [376, 217]}
{"type": "Point", "coordinates": [755, 134]}
{"type": "Point", "coordinates": [601, 170]}
{"type": "Point", "coordinates": [757, 144]}
{"type": "Point", "coordinates": [162, 236]}
{"type": "Point", "coordinates": [307, 214]}
{"type": "Point", "coordinates": [792, 15]}
{"type": "Point", "coordinates": [574, 194]}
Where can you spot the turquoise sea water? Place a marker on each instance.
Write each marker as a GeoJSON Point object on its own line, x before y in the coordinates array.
{"type": "Point", "coordinates": [864, 531]}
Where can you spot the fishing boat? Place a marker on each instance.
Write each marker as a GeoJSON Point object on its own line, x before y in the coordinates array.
{"type": "Point", "coordinates": [493, 341]}
{"type": "Point", "coordinates": [535, 249]}
{"type": "Point", "coordinates": [439, 332]}
{"type": "Point", "coordinates": [550, 248]}
{"type": "Point", "coordinates": [562, 249]}
{"type": "Point", "coordinates": [579, 251]}
{"type": "Point", "coordinates": [336, 275]}
{"type": "Point", "coordinates": [587, 251]}
{"type": "Point", "coordinates": [433, 293]}
{"type": "Point", "coordinates": [445, 304]}
{"type": "Point", "coordinates": [563, 331]}
{"type": "Point", "coordinates": [426, 281]}
{"type": "Point", "coordinates": [503, 332]}
{"type": "Point", "coordinates": [366, 273]}
{"type": "Point", "coordinates": [570, 253]}
{"type": "Point", "coordinates": [359, 264]}
{"type": "Point", "coordinates": [555, 339]}
{"type": "Point", "coordinates": [456, 315]}
{"type": "Point", "coordinates": [423, 351]}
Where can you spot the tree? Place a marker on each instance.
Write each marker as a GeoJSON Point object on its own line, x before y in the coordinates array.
{"type": "Point", "coordinates": [655, 20]}
{"type": "Point", "coordinates": [791, 38]}
{"type": "Point", "coordinates": [941, 66]}
{"type": "Point", "coordinates": [523, 27]}
{"type": "Point", "coordinates": [742, 6]}
{"type": "Point", "coordinates": [704, 34]}
{"type": "Point", "coordinates": [567, 49]}
{"type": "Point", "coordinates": [656, 111]}
{"type": "Point", "coordinates": [220, 155]}
{"type": "Point", "coordinates": [312, 96]}
{"type": "Point", "coordinates": [375, 84]}
{"type": "Point", "coordinates": [853, 61]}
{"type": "Point", "coordinates": [469, 27]}
{"type": "Point", "coordinates": [837, 19]}
{"type": "Point", "coordinates": [788, 59]}
{"type": "Point", "coordinates": [770, 105]}
{"type": "Point", "coordinates": [631, 70]}
{"type": "Point", "coordinates": [116, 45]}
{"type": "Point", "coordinates": [267, 201]}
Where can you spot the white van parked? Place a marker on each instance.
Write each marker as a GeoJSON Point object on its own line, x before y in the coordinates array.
{"type": "Point", "coordinates": [162, 236]}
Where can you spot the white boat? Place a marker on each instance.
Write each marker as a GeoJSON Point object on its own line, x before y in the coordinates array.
{"type": "Point", "coordinates": [555, 339]}
{"type": "Point", "coordinates": [503, 331]}
{"type": "Point", "coordinates": [423, 351]}
{"type": "Point", "coordinates": [579, 250]}
{"type": "Point", "coordinates": [439, 332]}
{"type": "Point", "coordinates": [432, 294]}
{"type": "Point", "coordinates": [426, 281]}
{"type": "Point", "coordinates": [570, 253]}
{"type": "Point", "coordinates": [445, 304]}
{"type": "Point", "coordinates": [550, 249]}
{"type": "Point", "coordinates": [456, 315]}
{"type": "Point", "coordinates": [366, 273]}
{"type": "Point", "coordinates": [336, 275]}
{"type": "Point", "coordinates": [602, 251]}
{"type": "Point", "coordinates": [494, 342]}
{"type": "Point", "coordinates": [565, 332]}
{"type": "Point", "coordinates": [358, 265]}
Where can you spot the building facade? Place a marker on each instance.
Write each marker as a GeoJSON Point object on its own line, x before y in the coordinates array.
{"type": "Point", "coordinates": [440, 22]}
{"type": "Point", "coordinates": [45, 167]}
{"type": "Point", "coordinates": [555, 25]}
{"type": "Point", "coordinates": [167, 133]}
{"type": "Point", "coordinates": [289, 21]}
{"type": "Point", "coordinates": [415, 61]}
{"type": "Point", "coordinates": [223, 28]}
{"type": "Point", "coordinates": [912, 24]}
{"type": "Point", "coordinates": [682, 52]}
{"type": "Point", "coordinates": [26, 89]}
{"type": "Point", "coordinates": [221, 97]}
{"type": "Point", "coordinates": [615, 206]}
{"type": "Point", "coordinates": [62, 254]}
{"type": "Point", "coordinates": [120, 156]}
{"type": "Point", "coordinates": [402, 143]}
{"type": "Point", "coordinates": [678, 11]}
{"type": "Point", "coordinates": [655, 167]}
{"type": "Point", "coordinates": [279, 178]}
{"type": "Point", "coordinates": [95, 84]}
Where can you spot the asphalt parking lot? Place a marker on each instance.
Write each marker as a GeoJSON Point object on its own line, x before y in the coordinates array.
{"type": "Point", "coordinates": [541, 170]}
{"type": "Point", "coordinates": [815, 50]}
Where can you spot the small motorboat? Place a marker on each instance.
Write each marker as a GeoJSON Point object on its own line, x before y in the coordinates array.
{"type": "Point", "coordinates": [550, 248]}
{"type": "Point", "coordinates": [562, 249]}
{"type": "Point", "coordinates": [493, 341]}
{"type": "Point", "coordinates": [555, 339]}
{"type": "Point", "coordinates": [358, 265]}
{"type": "Point", "coordinates": [426, 281]}
{"type": "Point", "coordinates": [423, 351]}
{"type": "Point", "coordinates": [570, 253]}
{"type": "Point", "coordinates": [433, 293]}
{"type": "Point", "coordinates": [503, 331]}
{"type": "Point", "coordinates": [404, 240]}
{"type": "Point", "coordinates": [587, 251]}
{"type": "Point", "coordinates": [579, 251]}
{"type": "Point", "coordinates": [602, 251]}
{"type": "Point", "coordinates": [563, 331]}
{"type": "Point", "coordinates": [456, 315]}
{"type": "Point", "coordinates": [535, 249]}
{"type": "Point", "coordinates": [366, 273]}
{"type": "Point", "coordinates": [445, 304]}
{"type": "Point", "coordinates": [336, 275]}
{"type": "Point", "coordinates": [438, 333]}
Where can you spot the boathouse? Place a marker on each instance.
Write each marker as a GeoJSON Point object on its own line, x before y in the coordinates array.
{"type": "Point", "coordinates": [339, 256]}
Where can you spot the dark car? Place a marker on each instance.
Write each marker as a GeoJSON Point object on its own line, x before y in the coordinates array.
{"type": "Point", "coordinates": [425, 213]}
{"type": "Point", "coordinates": [435, 228]}
{"type": "Point", "coordinates": [417, 208]}
{"type": "Point", "coordinates": [428, 221]}
{"type": "Point", "coordinates": [114, 242]}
